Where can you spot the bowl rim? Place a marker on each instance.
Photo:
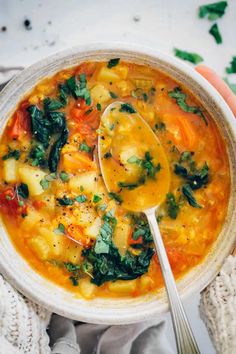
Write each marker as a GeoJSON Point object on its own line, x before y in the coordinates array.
{"type": "Point", "coordinates": [87, 313]}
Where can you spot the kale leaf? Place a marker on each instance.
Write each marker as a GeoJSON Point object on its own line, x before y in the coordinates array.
{"type": "Point", "coordinates": [188, 193]}
{"type": "Point", "coordinates": [173, 207]}
{"type": "Point", "coordinates": [113, 62]}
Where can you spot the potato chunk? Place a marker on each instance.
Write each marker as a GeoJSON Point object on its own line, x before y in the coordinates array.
{"type": "Point", "coordinates": [124, 287]}
{"type": "Point", "coordinates": [40, 247]}
{"type": "Point", "coordinates": [87, 180]}
{"type": "Point", "coordinates": [93, 230]}
{"type": "Point", "coordinates": [100, 94]}
{"type": "Point", "coordinates": [32, 177]}
{"type": "Point", "coordinates": [10, 170]}
{"type": "Point", "coordinates": [107, 75]}
{"type": "Point", "coordinates": [87, 289]}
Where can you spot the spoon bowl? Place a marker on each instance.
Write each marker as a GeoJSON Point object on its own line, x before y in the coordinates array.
{"type": "Point", "coordinates": [136, 173]}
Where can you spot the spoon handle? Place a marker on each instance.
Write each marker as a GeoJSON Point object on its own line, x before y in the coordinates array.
{"type": "Point", "coordinates": [185, 341]}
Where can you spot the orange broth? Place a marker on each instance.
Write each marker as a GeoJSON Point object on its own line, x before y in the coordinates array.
{"type": "Point", "coordinates": [53, 201]}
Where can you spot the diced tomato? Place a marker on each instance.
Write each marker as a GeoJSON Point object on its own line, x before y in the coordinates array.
{"type": "Point", "coordinates": [131, 241]}
{"type": "Point", "coordinates": [175, 256]}
{"type": "Point", "coordinates": [10, 205]}
{"type": "Point", "coordinates": [38, 204]}
{"type": "Point", "coordinates": [20, 125]}
{"type": "Point", "coordinates": [86, 68]}
{"type": "Point", "coordinates": [75, 232]}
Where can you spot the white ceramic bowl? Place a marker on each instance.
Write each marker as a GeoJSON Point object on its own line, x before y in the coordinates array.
{"type": "Point", "coordinates": [119, 311]}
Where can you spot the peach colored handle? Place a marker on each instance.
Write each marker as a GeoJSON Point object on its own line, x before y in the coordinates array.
{"type": "Point", "coordinates": [214, 79]}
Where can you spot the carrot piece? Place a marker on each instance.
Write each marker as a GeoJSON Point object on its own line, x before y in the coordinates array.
{"type": "Point", "coordinates": [76, 161]}
{"type": "Point", "coordinates": [76, 232]}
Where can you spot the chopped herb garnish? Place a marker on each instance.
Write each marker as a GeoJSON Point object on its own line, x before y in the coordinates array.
{"type": "Point", "coordinates": [99, 107]}
{"type": "Point", "coordinates": [23, 191]}
{"type": "Point", "coordinates": [231, 85]}
{"type": "Point", "coordinates": [65, 201]}
{"type": "Point", "coordinates": [60, 229]}
{"type": "Point", "coordinates": [15, 154]}
{"type": "Point", "coordinates": [180, 98]}
{"type": "Point", "coordinates": [134, 159]}
{"type": "Point", "coordinates": [188, 193]}
{"type": "Point", "coordinates": [127, 107]}
{"type": "Point", "coordinates": [44, 183]}
{"type": "Point", "coordinates": [78, 88]}
{"type": "Point", "coordinates": [232, 68]}
{"type": "Point", "coordinates": [96, 198]}
{"type": "Point", "coordinates": [173, 207]}
{"type": "Point", "coordinates": [213, 11]}
{"type": "Point", "coordinates": [113, 62]}
{"type": "Point", "coordinates": [130, 186]}
{"type": "Point", "coordinates": [64, 176]}
{"type": "Point", "coordinates": [50, 104]}
{"type": "Point", "coordinates": [214, 31]}
{"type": "Point", "coordinates": [81, 198]}
{"type": "Point", "coordinates": [192, 57]}
{"type": "Point", "coordinates": [107, 155]}
{"type": "Point", "coordinates": [161, 126]}
{"type": "Point", "coordinates": [74, 280]}
{"type": "Point", "coordinates": [37, 156]}
{"type": "Point", "coordinates": [84, 147]}
{"type": "Point", "coordinates": [113, 95]}
{"type": "Point", "coordinates": [116, 197]}
{"type": "Point", "coordinates": [197, 179]}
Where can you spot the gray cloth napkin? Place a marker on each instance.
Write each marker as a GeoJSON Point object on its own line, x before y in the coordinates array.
{"type": "Point", "coordinates": [69, 337]}
{"type": "Point", "coordinates": [74, 338]}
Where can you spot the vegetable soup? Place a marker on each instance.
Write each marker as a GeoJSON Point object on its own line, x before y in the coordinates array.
{"type": "Point", "coordinates": [53, 201]}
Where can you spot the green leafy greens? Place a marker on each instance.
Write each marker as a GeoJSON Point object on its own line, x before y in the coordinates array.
{"type": "Point", "coordinates": [192, 57]}
{"type": "Point", "coordinates": [108, 264]}
{"type": "Point", "coordinates": [173, 207]}
{"type": "Point", "coordinates": [127, 107]}
{"type": "Point", "coordinates": [113, 62]}
{"type": "Point", "coordinates": [180, 98]}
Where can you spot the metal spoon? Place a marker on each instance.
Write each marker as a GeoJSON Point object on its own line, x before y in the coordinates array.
{"type": "Point", "coordinates": [116, 121]}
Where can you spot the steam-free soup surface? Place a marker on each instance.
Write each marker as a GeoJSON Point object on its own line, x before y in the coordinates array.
{"type": "Point", "coordinates": [54, 203]}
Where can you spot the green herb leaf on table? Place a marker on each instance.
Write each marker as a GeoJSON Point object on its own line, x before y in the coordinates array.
{"type": "Point", "coordinates": [12, 154]}
{"type": "Point", "coordinates": [232, 68]}
{"type": "Point", "coordinates": [188, 193]}
{"type": "Point", "coordinates": [231, 85]}
{"type": "Point", "coordinates": [214, 31]}
{"type": "Point", "coordinates": [127, 107]}
{"type": "Point", "coordinates": [173, 207]}
{"type": "Point", "coordinates": [191, 57]}
{"type": "Point", "coordinates": [180, 98]}
{"type": "Point", "coordinates": [113, 62]}
{"type": "Point", "coordinates": [213, 11]}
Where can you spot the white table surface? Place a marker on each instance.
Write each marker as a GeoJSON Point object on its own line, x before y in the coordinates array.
{"type": "Point", "coordinates": [162, 24]}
